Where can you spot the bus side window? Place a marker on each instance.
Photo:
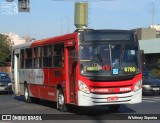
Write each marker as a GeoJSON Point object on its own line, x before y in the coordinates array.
{"type": "Point", "coordinates": [59, 55]}
{"type": "Point", "coordinates": [28, 58]}
{"type": "Point", "coordinates": [12, 60]}
{"type": "Point", "coordinates": [37, 57]}
{"type": "Point", "coordinates": [22, 58]}
{"type": "Point", "coordinates": [47, 56]}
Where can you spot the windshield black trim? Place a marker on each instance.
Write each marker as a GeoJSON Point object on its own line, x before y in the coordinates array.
{"type": "Point", "coordinates": [130, 33]}
{"type": "Point", "coordinates": [105, 42]}
{"type": "Point", "coordinates": [112, 86]}
{"type": "Point", "coordinates": [110, 78]}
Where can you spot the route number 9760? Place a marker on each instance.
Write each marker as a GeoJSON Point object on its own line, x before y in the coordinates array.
{"type": "Point", "coordinates": [129, 69]}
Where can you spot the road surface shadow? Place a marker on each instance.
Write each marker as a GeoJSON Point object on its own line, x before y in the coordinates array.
{"type": "Point", "coordinates": [151, 94]}
{"type": "Point", "coordinates": [19, 98]}
{"type": "Point", "coordinates": [96, 113]}
{"type": "Point", "coordinates": [94, 110]}
{"type": "Point", "coordinates": [98, 110]}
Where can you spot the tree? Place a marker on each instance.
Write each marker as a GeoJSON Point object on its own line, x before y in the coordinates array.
{"type": "Point", "coordinates": [5, 49]}
{"type": "Point", "coordinates": [156, 68]}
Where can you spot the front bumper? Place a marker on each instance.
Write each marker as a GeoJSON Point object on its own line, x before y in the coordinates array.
{"type": "Point", "coordinates": [101, 99]}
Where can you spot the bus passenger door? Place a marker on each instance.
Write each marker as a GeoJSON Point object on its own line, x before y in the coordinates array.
{"type": "Point", "coordinates": [16, 72]}
{"type": "Point", "coordinates": [72, 74]}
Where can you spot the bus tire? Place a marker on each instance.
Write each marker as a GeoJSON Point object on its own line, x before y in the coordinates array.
{"type": "Point", "coordinates": [114, 108]}
{"type": "Point", "coordinates": [61, 101]}
{"type": "Point", "coordinates": [26, 94]}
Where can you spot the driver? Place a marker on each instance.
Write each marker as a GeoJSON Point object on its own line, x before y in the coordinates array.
{"type": "Point", "coordinates": [104, 53]}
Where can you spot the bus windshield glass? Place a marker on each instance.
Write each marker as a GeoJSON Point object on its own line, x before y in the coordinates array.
{"type": "Point", "coordinates": [109, 59]}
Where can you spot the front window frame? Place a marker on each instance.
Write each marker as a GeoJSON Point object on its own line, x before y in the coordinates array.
{"type": "Point", "coordinates": [111, 71]}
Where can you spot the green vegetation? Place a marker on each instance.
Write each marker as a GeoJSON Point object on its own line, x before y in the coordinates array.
{"type": "Point", "coordinates": [156, 72]}
{"type": "Point", "coordinates": [5, 49]}
{"type": "Point", "coordinates": [156, 68]}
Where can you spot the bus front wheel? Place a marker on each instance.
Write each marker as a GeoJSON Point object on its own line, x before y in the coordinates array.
{"type": "Point", "coordinates": [61, 101]}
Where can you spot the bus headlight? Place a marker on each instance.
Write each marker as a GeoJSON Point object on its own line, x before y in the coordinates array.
{"type": "Point", "coordinates": [83, 87]}
{"type": "Point", "coordinates": [138, 85]}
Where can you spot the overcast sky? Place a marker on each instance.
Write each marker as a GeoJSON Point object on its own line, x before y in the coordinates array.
{"type": "Point", "coordinates": [48, 18]}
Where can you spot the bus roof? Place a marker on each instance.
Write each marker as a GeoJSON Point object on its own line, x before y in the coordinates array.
{"type": "Point", "coordinates": [45, 41]}
{"type": "Point", "coordinates": [21, 46]}
{"type": "Point", "coordinates": [63, 38]}
{"type": "Point", "coordinates": [55, 39]}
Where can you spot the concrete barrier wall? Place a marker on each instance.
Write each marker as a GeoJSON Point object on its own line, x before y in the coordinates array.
{"type": "Point", "coordinates": [5, 69]}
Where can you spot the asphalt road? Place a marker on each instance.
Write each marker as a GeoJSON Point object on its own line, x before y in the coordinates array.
{"type": "Point", "coordinates": [16, 105]}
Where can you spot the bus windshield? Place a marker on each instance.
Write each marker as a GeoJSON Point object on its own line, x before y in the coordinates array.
{"type": "Point", "coordinates": [109, 59]}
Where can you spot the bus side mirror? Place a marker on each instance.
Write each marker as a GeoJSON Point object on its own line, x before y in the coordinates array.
{"type": "Point", "coordinates": [75, 55]}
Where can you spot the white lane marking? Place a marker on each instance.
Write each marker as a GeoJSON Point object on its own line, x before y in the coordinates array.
{"type": "Point", "coordinates": [151, 99]}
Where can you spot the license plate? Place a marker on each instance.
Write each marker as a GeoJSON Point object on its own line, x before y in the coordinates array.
{"type": "Point", "coordinates": [112, 98]}
{"type": "Point", "coordinates": [156, 89]}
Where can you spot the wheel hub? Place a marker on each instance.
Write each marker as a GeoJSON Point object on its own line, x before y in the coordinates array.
{"type": "Point", "coordinates": [61, 99]}
{"type": "Point", "coordinates": [26, 94]}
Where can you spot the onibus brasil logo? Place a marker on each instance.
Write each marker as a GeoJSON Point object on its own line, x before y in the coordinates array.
{"type": "Point", "coordinates": [8, 8]}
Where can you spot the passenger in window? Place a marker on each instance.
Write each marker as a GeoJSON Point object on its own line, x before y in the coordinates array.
{"type": "Point", "coordinates": [36, 63]}
{"type": "Point", "coordinates": [49, 51]}
{"type": "Point", "coordinates": [61, 63]}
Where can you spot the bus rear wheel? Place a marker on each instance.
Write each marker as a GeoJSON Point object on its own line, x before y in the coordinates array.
{"type": "Point", "coordinates": [26, 94]}
{"type": "Point", "coordinates": [27, 97]}
{"type": "Point", "coordinates": [61, 101]}
{"type": "Point", "coordinates": [114, 108]}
